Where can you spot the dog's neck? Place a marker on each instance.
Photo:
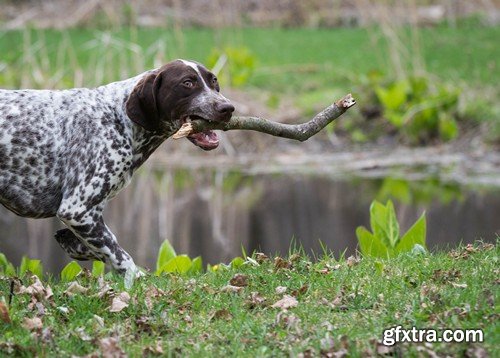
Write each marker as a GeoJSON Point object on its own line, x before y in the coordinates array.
{"type": "Point", "coordinates": [144, 142]}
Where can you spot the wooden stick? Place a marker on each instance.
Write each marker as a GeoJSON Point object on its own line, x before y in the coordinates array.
{"type": "Point", "coordinates": [299, 132]}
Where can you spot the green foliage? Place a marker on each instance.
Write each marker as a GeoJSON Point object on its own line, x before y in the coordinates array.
{"type": "Point", "coordinates": [30, 265]}
{"type": "Point", "coordinates": [384, 240]}
{"type": "Point", "coordinates": [169, 262]}
{"type": "Point", "coordinates": [6, 267]}
{"type": "Point", "coordinates": [70, 271]}
{"type": "Point", "coordinates": [239, 67]}
{"type": "Point", "coordinates": [98, 268]}
{"type": "Point", "coordinates": [421, 108]}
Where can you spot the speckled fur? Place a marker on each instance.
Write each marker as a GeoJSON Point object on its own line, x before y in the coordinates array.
{"type": "Point", "coordinates": [66, 153]}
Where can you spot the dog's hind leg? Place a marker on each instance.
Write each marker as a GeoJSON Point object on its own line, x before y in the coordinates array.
{"type": "Point", "coordinates": [75, 248]}
{"type": "Point", "coordinates": [90, 229]}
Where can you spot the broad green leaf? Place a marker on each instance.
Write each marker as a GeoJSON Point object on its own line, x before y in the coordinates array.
{"type": "Point", "coordinates": [33, 266]}
{"type": "Point", "coordinates": [378, 222]}
{"type": "Point", "coordinates": [196, 265]}
{"type": "Point", "coordinates": [165, 254]}
{"type": "Point", "coordinates": [179, 264]}
{"type": "Point", "coordinates": [394, 96]}
{"type": "Point", "coordinates": [392, 224]}
{"type": "Point", "coordinates": [237, 262]}
{"type": "Point", "coordinates": [415, 235]}
{"type": "Point", "coordinates": [370, 245]}
{"type": "Point", "coordinates": [6, 267]}
{"type": "Point", "coordinates": [98, 268]}
{"type": "Point", "coordinates": [70, 271]}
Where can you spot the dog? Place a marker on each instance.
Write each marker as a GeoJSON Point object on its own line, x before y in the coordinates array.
{"type": "Point", "coordinates": [66, 153]}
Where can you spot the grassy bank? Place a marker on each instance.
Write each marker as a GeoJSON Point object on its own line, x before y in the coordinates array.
{"type": "Point", "coordinates": [335, 306]}
{"type": "Point", "coordinates": [288, 60]}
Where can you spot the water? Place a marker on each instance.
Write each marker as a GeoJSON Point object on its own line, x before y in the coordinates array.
{"type": "Point", "coordinates": [215, 212]}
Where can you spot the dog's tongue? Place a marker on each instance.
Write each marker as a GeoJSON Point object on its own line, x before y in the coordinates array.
{"type": "Point", "coordinates": [206, 140]}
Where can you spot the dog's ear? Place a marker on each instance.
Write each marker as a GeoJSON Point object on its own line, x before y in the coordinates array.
{"type": "Point", "coordinates": [142, 104]}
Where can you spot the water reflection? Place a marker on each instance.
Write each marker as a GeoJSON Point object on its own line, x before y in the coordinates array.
{"type": "Point", "coordinates": [213, 213]}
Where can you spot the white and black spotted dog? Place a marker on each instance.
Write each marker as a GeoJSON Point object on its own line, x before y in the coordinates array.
{"type": "Point", "coordinates": [66, 153]}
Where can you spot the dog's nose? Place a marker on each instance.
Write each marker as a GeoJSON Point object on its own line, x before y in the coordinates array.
{"type": "Point", "coordinates": [225, 108]}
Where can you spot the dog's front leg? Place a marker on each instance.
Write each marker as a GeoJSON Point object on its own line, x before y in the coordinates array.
{"type": "Point", "coordinates": [90, 228]}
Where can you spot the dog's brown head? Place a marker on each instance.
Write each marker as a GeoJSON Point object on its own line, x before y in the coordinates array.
{"type": "Point", "coordinates": [175, 93]}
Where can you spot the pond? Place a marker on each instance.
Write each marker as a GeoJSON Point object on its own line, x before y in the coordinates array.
{"type": "Point", "coordinates": [260, 205]}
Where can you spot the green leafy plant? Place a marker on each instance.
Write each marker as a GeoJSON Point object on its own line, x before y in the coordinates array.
{"type": "Point", "coordinates": [168, 261]}
{"type": "Point", "coordinates": [6, 267]}
{"type": "Point", "coordinates": [420, 108]}
{"type": "Point", "coordinates": [31, 265]}
{"type": "Point", "coordinates": [384, 241]}
{"type": "Point", "coordinates": [98, 268]}
{"type": "Point", "coordinates": [239, 64]}
{"type": "Point", "coordinates": [70, 271]}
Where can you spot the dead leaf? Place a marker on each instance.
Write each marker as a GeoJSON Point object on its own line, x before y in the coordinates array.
{"type": "Point", "coordinates": [280, 290]}
{"type": "Point", "coordinates": [476, 352]}
{"type": "Point", "coordinates": [221, 314]}
{"type": "Point", "coordinates": [286, 302]}
{"type": "Point", "coordinates": [75, 288]}
{"type": "Point", "coordinates": [231, 288]}
{"type": "Point", "coordinates": [459, 285]}
{"type": "Point", "coordinates": [104, 288]}
{"type": "Point", "coordinates": [239, 280]}
{"type": "Point", "coordinates": [300, 291]}
{"type": "Point", "coordinates": [281, 263]}
{"type": "Point", "coordinates": [261, 257]}
{"type": "Point", "coordinates": [32, 324]}
{"type": "Point", "coordinates": [157, 349]}
{"type": "Point", "coordinates": [4, 313]}
{"type": "Point", "coordinates": [120, 302]}
{"type": "Point", "coordinates": [351, 261]}
{"type": "Point", "coordinates": [36, 289]}
{"type": "Point", "coordinates": [84, 336]}
{"type": "Point", "coordinates": [110, 349]}
{"type": "Point", "coordinates": [255, 300]}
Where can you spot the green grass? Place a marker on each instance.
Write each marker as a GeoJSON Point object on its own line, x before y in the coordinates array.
{"type": "Point", "coordinates": [289, 60]}
{"type": "Point", "coordinates": [195, 317]}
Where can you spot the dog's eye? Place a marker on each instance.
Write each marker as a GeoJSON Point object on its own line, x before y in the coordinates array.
{"type": "Point", "coordinates": [188, 83]}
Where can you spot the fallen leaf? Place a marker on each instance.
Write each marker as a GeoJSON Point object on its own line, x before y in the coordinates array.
{"type": "Point", "coordinates": [231, 288]}
{"type": "Point", "coordinates": [32, 324]}
{"type": "Point", "coordinates": [4, 313]}
{"type": "Point", "coordinates": [459, 285]}
{"type": "Point", "coordinates": [281, 263]}
{"type": "Point", "coordinates": [99, 320]}
{"type": "Point", "coordinates": [280, 290]}
{"type": "Point", "coordinates": [157, 349]}
{"type": "Point", "coordinates": [84, 336]}
{"type": "Point", "coordinates": [300, 291]}
{"type": "Point", "coordinates": [75, 288]}
{"type": "Point", "coordinates": [119, 302]}
{"type": "Point", "coordinates": [110, 349]}
{"type": "Point", "coordinates": [239, 280]}
{"type": "Point", "coordinates": [476, 352]}
{"type": "Point", "coordinates": [256, 300]}
{"type": "Point", "coordinates": [286, 302]}
{"type": "Point", "coordinates": [221, 314]}
{"type": "Point", "coordinates": [261, 257]}
{"type": "Point", "coordinates": [351, 261]}
{"type": "Point", "coordinates": [104, 288]}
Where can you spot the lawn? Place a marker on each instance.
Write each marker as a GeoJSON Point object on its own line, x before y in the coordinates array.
{"type": "Point", "coordinates": [334, 306]}
{"type": "Point", "coordinates": [288, 60]}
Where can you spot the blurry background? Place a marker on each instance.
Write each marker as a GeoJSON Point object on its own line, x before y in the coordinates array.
{"type": "Point", "coordinates": [425, 132]}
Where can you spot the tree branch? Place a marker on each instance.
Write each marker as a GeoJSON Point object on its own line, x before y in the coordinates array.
{"type": "Point", "coordinates": [299, 132]}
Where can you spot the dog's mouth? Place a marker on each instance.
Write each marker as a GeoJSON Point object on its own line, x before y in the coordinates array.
{"type": "Point", "coordinates": [206, 140]}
